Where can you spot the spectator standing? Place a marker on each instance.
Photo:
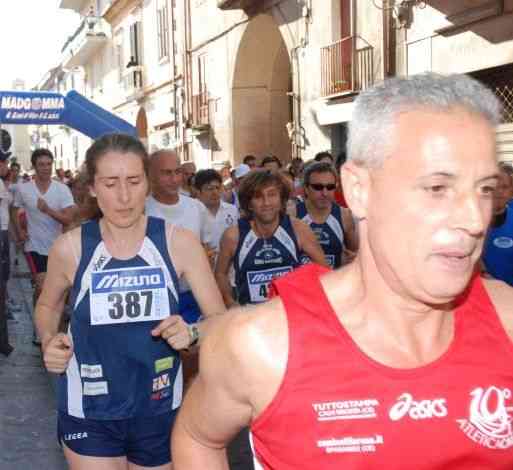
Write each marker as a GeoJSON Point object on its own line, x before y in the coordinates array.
{"type": "Point", "coordinates": [48, 206]}
{"type": "Point", "coordinates": [5, 199]}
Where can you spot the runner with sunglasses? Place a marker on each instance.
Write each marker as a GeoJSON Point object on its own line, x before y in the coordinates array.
{"type": "Point", "coordinates": [332, 224]}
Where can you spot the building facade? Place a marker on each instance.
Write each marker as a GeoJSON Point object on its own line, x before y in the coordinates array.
{"type": "Point", "coordinates": [220, 79]}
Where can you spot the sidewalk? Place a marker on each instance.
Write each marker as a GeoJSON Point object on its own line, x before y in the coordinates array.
{"type": "Point", "coordinates": [27, 401]}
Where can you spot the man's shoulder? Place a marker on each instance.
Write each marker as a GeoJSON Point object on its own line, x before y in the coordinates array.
{"type": "Point", "coordinates": [260, 332]}
{"type": "Point", "coordinates": [189, 202]}
{"type": "Point", "coordinates": [501, 295]}
{"type": "Point", "coordinates": [229, 208]}
{"type": "Point", "coordinates": [231, 234]}
{"type": "Point", "coordinates": [25, 186]}
{"type": "Point", "coordinates": [60, 186]}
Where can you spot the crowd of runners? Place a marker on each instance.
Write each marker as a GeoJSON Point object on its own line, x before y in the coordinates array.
{"type": "Point", "coordinates": [341, 311]}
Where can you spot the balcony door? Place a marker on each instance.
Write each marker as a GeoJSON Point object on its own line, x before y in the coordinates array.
{"type": "Point", "coordinates": [346, 46]}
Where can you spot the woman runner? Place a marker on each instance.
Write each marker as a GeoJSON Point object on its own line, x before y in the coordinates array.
{"type": "Point", "coordinates": [121, 376]}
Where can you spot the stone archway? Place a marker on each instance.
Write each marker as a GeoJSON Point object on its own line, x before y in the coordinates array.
{"type": "Point", "coordinates": [141, 124]}
{"type": "Point", "coordinates": [261, 107]}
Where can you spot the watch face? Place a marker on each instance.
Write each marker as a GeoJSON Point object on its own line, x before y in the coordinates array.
{"type": "Point", "coordinates": [194, 332]}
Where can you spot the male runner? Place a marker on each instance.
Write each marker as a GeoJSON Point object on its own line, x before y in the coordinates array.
{"type": "Point", "coordinates": [402, 359]}
{"type": "Point", "coordinates": [49, 206]}
{"type": "Point", "coordinates": [220, 214]}
{"type": "Point", "coordinates": [498, 249]}
{"type": "Point", "coordinates": [333, 225]}
{"type": "Point", "coordinates": [264, 245]}
{"type": "Point", "coordinates": [167, 202]}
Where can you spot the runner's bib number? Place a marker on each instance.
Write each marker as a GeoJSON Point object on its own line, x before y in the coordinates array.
{"type": "Point", "coordinates": [259, 281]}
{"type": "Point", "coordinates": [128, 295]}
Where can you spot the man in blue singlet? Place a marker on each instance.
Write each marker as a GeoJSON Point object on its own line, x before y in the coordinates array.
{"type": "Point", "coordinates": [498, 249]}
{"type": "Point", "coordinates": [266, 244]}
{"type": "Point", "coordinates": [332, 224]}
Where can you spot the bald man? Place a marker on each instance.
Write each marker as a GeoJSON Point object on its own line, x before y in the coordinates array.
{"type": "Point", "coordinates": [166, 202]}
{"type": "Point", "coordinates": [188, 171]}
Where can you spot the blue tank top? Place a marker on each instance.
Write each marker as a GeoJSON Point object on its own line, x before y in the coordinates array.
{"type": "Point", "coordinates": [258, 261]}
{"type": "Point", "coordinates": [330, 234]}
{"type": "Point", "coordinates": [118, 370]}
{"type": "Point", "coordinates": [498, 249]}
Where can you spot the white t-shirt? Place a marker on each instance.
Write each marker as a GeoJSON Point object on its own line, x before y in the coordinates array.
{"type": "Point", "coordinates": [226, 216]}
{"type": "Point", "coordinates": [42, 229]}
{"type": "Point", "coordinates": [5, 200]}
{"type": "Point", "coordinates": [187, 213]}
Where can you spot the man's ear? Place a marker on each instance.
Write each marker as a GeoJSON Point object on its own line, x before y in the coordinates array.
{"type": "Point", "coordinates": [356, 184]}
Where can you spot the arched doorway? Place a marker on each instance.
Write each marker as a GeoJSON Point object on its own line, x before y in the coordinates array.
{"type": "Point", "coordinates": [141, 123]}
{"type": "Point", "coordinates": [261, 107]}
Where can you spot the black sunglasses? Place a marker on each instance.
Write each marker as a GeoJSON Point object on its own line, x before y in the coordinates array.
{"type": "Point", "coordinates": [320, 187]}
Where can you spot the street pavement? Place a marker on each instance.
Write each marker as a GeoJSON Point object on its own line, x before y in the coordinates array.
{"type": "Point", "coordinates": [27, 400]}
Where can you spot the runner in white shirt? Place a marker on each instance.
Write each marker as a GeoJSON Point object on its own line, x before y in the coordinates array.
{"type": "Point", "coordinates": [5, 198]}
{"type": "Point", "coordinates": [49, 206]}
{"type": "Point", "coordinates": [220, 214]}
{"type": "Point", "coordinates": [167, 203]}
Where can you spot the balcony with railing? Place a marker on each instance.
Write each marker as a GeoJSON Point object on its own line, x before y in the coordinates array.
{"type": "Point", "coordinates": [133, 82]}
{"type": "Point", "coordinates": [346, 67]}
{"type": "Point", "coordinates": [235, 4]}
{"type": "Point", "coordinates": [200, 111]}
{"type": "Point", "coordinates": [85, 42]}
{"type": "Point", "coordinates": [75, 5]}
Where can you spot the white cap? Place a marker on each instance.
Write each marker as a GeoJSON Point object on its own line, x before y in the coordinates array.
{"type": "Point", "coordinates": [242, 170]}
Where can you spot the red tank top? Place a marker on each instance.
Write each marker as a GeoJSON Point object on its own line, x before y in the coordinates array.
{"type": "Point", "coordinates": [337, 409]}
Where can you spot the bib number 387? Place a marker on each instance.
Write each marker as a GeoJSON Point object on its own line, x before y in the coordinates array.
{"type": "Point", "coordinates": [128, 295]}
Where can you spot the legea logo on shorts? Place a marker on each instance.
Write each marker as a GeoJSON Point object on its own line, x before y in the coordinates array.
{"type": "Point", "coordinates": [490, 417]}
{"type": "Point", "coordinates": [126, 280]}
{"type": "Point", "coordinates": [75, 436]}
{"type": "Point", "coordinates": [423, 409]}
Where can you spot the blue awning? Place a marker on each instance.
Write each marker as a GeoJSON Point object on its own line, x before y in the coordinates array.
{"type": "Point", "coordinates": [73, 110]}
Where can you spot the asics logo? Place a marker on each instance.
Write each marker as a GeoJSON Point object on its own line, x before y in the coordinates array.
{"type": "Point", "coordinates": [424, 409]}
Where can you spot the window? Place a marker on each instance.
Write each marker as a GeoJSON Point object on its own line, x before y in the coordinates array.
{"type": "Point", "coordinates": [202, 77]}
{"type": "Point", "coordinates": [135, 43]}
{"type": "Point", "coordinates": [163, 30]}
{"type": "Point", "coordinates": [119, 54]}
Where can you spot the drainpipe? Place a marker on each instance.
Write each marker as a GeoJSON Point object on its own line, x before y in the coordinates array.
{"type": "Point", "coordinates": [187, 73]}
{"type": "Point", "coordinates": [297, 133]}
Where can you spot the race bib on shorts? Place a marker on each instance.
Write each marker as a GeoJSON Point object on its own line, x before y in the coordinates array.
{"type": "Point", "coordinates": [259, 281]}
{"type": "Point", "coordinates": [128, 295]}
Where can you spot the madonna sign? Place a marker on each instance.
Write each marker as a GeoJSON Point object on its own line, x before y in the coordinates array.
{"type": "Point", "coordinates": [17, 107]}
{"type": "Point", "coordinates": [72, 110]}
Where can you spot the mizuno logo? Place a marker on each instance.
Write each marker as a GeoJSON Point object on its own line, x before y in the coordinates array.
{"type": "Point", "coordinates": [267, 276]}
{"type": "Point", "coordinates": [129, 279]}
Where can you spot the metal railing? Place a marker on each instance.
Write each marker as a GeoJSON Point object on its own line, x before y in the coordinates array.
{"type": "Point", "coordinates": [346, 66]}
{"type": "Point", "coordinates": [200, 109]}
{"type": "Point", "coordinates": [90, 26]}
{"type": "Point", "coordinates": [133, 79]}
{"type": "Point", "coordinates": [505, 95]}
{"type": "Point", "coordinates": [235, 4]}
